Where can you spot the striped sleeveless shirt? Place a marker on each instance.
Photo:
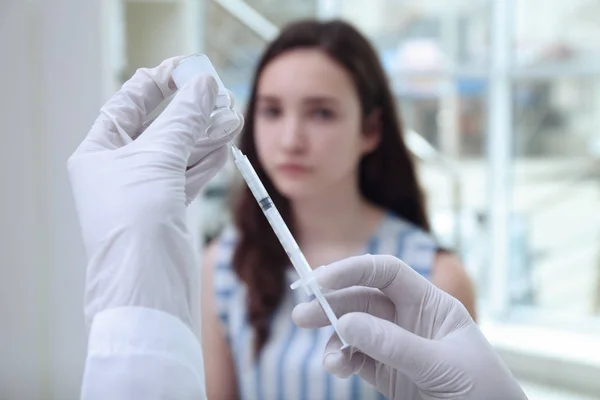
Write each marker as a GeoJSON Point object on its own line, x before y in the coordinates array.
{"type": "Point", "coordinates": [290, 364]}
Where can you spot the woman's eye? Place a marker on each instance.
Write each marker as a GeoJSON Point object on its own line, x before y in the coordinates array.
{"type": "Point", "coordinates": [323, 113]}
{"type": "Point", "coordinates": [269, 112]}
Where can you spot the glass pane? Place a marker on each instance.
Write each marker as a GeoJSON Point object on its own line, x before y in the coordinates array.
{"type": "Point", "coordinates": [424, 35]}
{"type": "Point", "coordinates": [282, 12]}
{"type": "Point", "coordinates": [448, 113]}
{"type": "Point", "coordinates": [234, 51]}
{"type": "Point", "coordinates": [561, 32]}
{"type": "Point", "coordinates": [556, 195]}
{"type": "Point", "coordinates": [453, 119]}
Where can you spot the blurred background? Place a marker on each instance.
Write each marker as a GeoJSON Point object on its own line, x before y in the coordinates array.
{"type": "Point", "coordinates": [501, 102]}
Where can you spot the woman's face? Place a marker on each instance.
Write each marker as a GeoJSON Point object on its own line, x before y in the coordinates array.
{"type": "Point", "coordinates": [308, 124]}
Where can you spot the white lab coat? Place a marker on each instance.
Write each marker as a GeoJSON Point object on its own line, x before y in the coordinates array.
{"type": "Point", "coordinates": [139, 353]}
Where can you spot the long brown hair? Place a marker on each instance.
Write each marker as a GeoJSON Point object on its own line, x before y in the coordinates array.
{"type": "Point", "coordinates": [386, 175]}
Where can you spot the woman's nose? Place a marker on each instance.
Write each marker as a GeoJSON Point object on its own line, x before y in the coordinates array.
{"type": "Point", "coordinates": [292, 136]}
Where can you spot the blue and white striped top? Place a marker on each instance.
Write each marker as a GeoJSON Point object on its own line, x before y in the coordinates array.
{"type": "Point", "coordinates": [290, 364]}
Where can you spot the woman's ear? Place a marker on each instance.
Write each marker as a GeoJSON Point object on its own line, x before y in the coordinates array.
{"type": "Point", "coordinates": [372, 131]}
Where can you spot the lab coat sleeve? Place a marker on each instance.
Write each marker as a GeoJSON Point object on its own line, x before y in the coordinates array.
{"type": "Point", "coordinates": [140, 353]}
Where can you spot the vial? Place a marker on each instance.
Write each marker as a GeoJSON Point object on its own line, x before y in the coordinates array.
{"type": "Point", "coordinates": [223, 119]}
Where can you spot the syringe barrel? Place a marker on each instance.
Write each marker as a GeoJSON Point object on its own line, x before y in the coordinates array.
{"type": "Point", "coordinates": [250, 176]}
{"type": "Point", "coordinates": [272, 214]}
{"type": "Point", "coordinates": [287, 241]}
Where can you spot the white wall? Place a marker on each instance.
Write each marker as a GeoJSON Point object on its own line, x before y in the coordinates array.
{"type": "Point", "coordinates": [51, 94]}
{"type": "Point", "coordinates": [69, 28]}
{"type": "Point", "coordinates": [20, 284]}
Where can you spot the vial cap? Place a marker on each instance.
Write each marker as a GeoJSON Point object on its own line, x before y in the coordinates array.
{"type": "Point", "coordinates": [194, 65]}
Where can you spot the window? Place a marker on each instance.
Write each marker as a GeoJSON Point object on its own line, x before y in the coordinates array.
{"type": "Point", "coordinates": [512, 108]}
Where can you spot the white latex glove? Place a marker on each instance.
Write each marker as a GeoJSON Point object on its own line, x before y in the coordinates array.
{"type": "Point", "coordinates": [412, 340]}
{"type": "Point", "coordinates": [131, 183]}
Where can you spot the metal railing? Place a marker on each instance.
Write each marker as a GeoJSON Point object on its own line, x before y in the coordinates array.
{"type": "Point", "coordinates": [249, 17]}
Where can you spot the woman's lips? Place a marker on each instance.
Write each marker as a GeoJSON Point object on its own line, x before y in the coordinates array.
{"type": "Point", "coordinates": [293, 169]}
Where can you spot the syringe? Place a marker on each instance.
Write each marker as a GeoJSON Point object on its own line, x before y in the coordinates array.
{"type": "Point", "coordinates": [223, 120]}
{"type": "Point", "coordinates": [307, 280]}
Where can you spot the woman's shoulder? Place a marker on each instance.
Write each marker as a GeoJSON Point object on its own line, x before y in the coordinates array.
{"type": "Point", "coordinates": [407, 241]}
{"type": "Point", "coordinates": [420, 250]}
{"type": "Point", "coordinates": [394, 224]}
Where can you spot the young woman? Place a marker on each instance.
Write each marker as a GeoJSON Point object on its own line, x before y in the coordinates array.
{"type": "Point", "coordinates": [323, 133]}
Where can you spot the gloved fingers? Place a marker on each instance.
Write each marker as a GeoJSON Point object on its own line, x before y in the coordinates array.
{"type": "Point", "coordinates": [149, 121]}
{"type": "Point", "coordinates": [144, 126]}
{"type": "Point", "coordinates": [238, 130]}
{"type": "Point", "coordinates": [198, 175]}
{"type": "Point", "coordinates": [122, 116]}
{"type": "Point", "coordinates": [342, 363]}
{"type": "Point", "coordinates": [181, 128]}
{"type": "Point", "coordinates": [354, 299]}
{"type": "Point", "coordinates": [232, 98]}
{"type": "Point", "coordinates": [384, 272]}
{"type": "Point", "coordinates": [205, 145]}
{"type": "Point", "coordinates": [387, 343]}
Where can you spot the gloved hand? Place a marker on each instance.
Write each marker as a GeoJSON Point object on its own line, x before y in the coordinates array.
{"type": "Point", "coordinates": [412, 340]}
{"type": "Point", "coordinates": [131, 183]}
